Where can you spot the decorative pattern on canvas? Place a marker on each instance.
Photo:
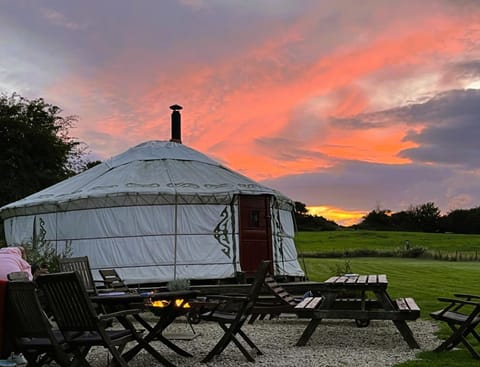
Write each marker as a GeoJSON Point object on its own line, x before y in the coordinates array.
{"type": "Point", "coordinates": [221, 232]}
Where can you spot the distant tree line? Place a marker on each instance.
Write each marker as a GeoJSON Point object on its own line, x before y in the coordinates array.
{"type": "Point", "coordinates": [423, 218]}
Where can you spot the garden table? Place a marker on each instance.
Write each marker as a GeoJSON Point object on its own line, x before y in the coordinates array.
{"type": "Point", "coordinates": [348, 297]}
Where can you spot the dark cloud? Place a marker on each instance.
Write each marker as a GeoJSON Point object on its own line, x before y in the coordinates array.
{"type": "Point", "coordinates": [451, 123]}
{"type": "Point", "coordinates": [468, 69]}
{"type": "Point", "coordinates": [358, 185]}
{"type": "Point", "coordinates": [452, 129]}
{"type": "Point", "coordinates": [450, 107]}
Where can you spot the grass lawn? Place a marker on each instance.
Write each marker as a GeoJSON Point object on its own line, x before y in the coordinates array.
{"type": "Point", "coordinates": [384, 240]}
{"type": "Point", "coordinates": [422, 279]}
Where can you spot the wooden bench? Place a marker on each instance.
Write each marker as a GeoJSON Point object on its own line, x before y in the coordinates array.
{"type": "Point", "coordinates": [405, 309]}
{"type": "Point", "coordinates": [409, 307]}
{"type": "Point", "coordinates": [309, 303]}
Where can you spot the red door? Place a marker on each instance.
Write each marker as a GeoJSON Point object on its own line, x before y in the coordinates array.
{"type": "Point", "coordinates": [255, 232]}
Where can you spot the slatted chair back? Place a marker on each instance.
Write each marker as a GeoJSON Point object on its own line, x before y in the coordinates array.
{"type": "Point", "coordinates": [279, 291]}
{"type": "Point", "coordinates": [82, 266]}
{"type": "Point", "coordinates": [69, 301]}
{"type": "Point", "coordinates": [81, 325]}
{"type": "Point", "coordinates": [32, 329]}
{"type": "Point", "coordinates": [24, 306]}
{"type": "Point", "coordinates": [283, 302]}
{"type": "Point", "coordinates": [112, 280]}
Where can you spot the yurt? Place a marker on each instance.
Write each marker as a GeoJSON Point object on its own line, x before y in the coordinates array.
{"type": "Point", "coordinates": [161, 211]}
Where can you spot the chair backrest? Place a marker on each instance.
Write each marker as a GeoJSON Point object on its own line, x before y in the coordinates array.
{"type": "Point", "coordinates": [31, 327]}
{"type": "Point", "coordinates": [257, 284]}
{"type": "Point", "coordinates": [82, 266]}
{"type": "Point", "coordinates": [68, 299]}
{"type": "Point", "coordinates": [23, 305]}
{"type": "Point", "coordinates": [113, 280]}
{"type": "Point", "coordinates": [279, 291]}
{"type": "Point", "coordinates": [17, 275]}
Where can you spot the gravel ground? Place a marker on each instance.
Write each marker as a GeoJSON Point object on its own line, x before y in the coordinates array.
{"type": "Point", "coordinates": [334, 343]}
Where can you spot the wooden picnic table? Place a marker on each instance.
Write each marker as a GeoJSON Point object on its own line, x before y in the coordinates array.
{"type": "Point", "coordinates": [359, 297]}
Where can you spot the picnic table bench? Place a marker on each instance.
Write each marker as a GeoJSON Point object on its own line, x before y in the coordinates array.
{"type": "Point", "coordinates": [348, 297]}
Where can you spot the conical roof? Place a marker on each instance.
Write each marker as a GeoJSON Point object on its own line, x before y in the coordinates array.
{"type": "Point", "coordinates": [154, 172]}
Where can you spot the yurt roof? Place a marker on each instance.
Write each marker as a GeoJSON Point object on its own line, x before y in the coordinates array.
{"type": "Point", "coordinates": [151, 173]}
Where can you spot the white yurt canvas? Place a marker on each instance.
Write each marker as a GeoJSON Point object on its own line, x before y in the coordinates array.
{"type": "Point", "coordinates": [161, 211]}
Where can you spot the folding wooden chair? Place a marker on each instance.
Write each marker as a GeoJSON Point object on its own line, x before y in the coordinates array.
{"type": "Point", "coordinates": [113, 281]}
{"type": "Point", "coordinates": [462, 315]}
{"type": "Point", "coordinates": [81, 326]}
{"type": "Point", "coordinates": [32, 332]}
{"type": "Point", "coordinates": [232, 314]}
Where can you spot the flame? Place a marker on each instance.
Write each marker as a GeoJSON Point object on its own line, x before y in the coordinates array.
{"type": "Point", "coordinates": [182, 303]}
{"type": "Point", "coordinates": [179, 302]}
{"type": "Point", "coordinates": [160, 303]}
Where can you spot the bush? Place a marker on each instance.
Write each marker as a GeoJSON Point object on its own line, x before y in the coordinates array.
{"type": "Point", "coordinates": [416, 251]}
{"type": "Point", "coordinates": [45, 253]}
{"type": "Point", "coordinates": [41, 251]}
{"type": "Point", "coordinates": [410, 252]}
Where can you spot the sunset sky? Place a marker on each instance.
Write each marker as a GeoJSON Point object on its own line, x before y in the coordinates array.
{"type": "Point", "coordinates": [346, 106]}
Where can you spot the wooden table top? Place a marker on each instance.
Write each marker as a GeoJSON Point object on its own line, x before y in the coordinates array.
{"type": "Point", "coordinates": [356, 280]}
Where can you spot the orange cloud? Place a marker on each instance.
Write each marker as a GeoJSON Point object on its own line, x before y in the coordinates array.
{"type": "Point", "coordinates": [251, 94]}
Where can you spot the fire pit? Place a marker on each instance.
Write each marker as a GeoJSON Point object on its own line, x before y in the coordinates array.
{"type": "Point", "coordinates": [179, 306]}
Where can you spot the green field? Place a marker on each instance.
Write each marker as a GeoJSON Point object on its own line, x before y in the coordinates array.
{"type": "Point", "coordinates": [423, 279]}
{"type": "Point", "coordinates": [384, 240]}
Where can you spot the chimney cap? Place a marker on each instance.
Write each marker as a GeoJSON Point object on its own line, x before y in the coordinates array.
{"type": "Point", "coordinates": [176, 107]}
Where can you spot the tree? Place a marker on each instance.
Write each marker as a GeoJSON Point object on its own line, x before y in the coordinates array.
{"type": "Point", "coordinates": [427, 217]}
{"type": "Point", "coordinates": [377, 219]}
{"type": "Point", "coordinates": [403, 221]}
{"type": "Point", "coordinates": [36, 150]}
{"type": "Point", "coordinates": [463, 221]}
{"type": "Point", "coordinates": [300, 208]}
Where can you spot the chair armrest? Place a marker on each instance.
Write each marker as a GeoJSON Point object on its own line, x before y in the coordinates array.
{"type": "Point", "coordinates": [223, 303]}
{"type": "Point", "coordinates": [467, 296]}
{"type": "Point", "coordinates": [456, 301]}
{"type": "Point", "coordinates": [109, 316]}
{"type": "Point", "coordinates": [226, 297]}
{"type": "Point", "coordinates": [272, 302]}
{"type": "Point", "coordinates": [99, 282]}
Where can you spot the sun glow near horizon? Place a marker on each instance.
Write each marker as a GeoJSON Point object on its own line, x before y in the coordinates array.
{"type": "Point", "coordinates": [338, 215]}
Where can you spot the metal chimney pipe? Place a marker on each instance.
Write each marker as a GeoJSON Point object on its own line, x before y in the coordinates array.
{"type": "Point", "coordinates": [176, 124]}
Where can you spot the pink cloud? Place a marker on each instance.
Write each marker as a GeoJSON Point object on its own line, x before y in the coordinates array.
{"type": "Point", "coordinates": [256, 93]}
